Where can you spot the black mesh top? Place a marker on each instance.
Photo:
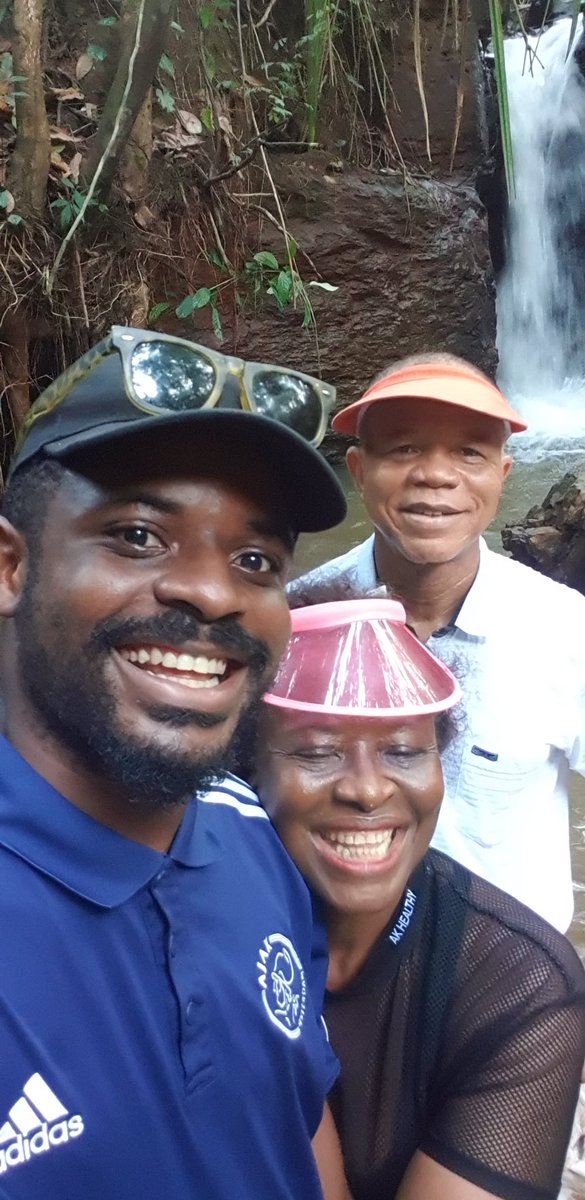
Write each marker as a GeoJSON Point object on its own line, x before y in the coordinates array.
{"type": "Point", "coordinates": [462, 1036]}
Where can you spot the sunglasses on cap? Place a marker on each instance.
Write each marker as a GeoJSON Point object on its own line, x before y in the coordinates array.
{"type": "Point", "coordinates": [164, 374]}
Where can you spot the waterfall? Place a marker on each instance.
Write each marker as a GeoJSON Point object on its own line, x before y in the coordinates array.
{"type": "Point", "coordinates": [541, 294]}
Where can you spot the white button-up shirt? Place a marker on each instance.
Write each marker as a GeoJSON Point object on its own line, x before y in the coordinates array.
{"type": "Point", "coordinates": [518, 647]}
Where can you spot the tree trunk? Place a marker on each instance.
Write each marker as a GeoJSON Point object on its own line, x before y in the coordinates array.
{"type": "Point", "coordinates": [138, 153]}
{"type": "Point", "coordinates": [144, 24]}
{"type": "Point", "coordinates": [15, 364]}
{"type": "Point", "coordinates": [29, 164]}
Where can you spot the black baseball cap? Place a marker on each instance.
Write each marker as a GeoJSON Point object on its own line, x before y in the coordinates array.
{"type": "Point", "coordinates": [97, 411]}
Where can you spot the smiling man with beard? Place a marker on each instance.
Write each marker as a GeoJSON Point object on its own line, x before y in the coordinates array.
{"type": "Point", "coordinates": [160, 1005]}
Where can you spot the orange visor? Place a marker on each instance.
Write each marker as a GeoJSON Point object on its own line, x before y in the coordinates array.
{"type": "Point", "coordinates": [448, 382]}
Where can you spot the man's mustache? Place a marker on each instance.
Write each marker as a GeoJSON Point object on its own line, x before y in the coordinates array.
{"type": "Point", "coordinates": [176, 628]}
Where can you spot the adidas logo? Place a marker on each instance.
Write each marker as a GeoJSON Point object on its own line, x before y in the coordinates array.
{"type": "Point", "coordinates": [36, 1123]}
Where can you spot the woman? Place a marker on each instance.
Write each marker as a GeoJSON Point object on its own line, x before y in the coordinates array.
{"type": "Point", "coordinates": [458, 1015]}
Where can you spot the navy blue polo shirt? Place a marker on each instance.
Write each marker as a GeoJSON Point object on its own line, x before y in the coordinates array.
{"type": "Point", "coordinates": [160, 1024]}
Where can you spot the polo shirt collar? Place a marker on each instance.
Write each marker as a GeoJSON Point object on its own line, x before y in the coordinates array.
{"type": "Point", "coordinates": [473, 614]}
{"type": "Point", "coordinates": [39, 825]}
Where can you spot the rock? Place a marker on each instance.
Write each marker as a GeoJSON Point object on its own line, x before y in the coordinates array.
{"type": "Point", "coordinates": [410, 262]}
{"type": "Point", "coordinates": [551, 537]}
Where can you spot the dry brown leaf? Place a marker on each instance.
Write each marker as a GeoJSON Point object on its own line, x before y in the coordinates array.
{"type": "Point", "coordinates": [74, 166]}
{"type": "Point", "coordinates": [144, 217]}
{"type": "Point", "coordinates": [68, 93]}
{"type": "Point", "coordinates": [59, 163]}
{"type": "Point", "coordinates": [83, 66]}
{"type": "Point", "coordinates": [58, 134]}
{"type": "Point", "coordinates": [191, 124]}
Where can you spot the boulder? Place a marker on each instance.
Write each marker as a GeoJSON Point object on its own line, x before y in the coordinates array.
{"type": "Point", "coordinates": [551, 537]}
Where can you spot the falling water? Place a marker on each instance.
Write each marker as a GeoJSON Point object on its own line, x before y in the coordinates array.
{"type": "Point", "coordinates": [541, 296]}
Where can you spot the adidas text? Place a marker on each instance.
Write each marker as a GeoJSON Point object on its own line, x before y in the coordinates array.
{"type": "Point", "coordinates": [44, 1139]}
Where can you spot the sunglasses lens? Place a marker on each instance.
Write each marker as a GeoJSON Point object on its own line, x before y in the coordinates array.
{"type": "Point", "coordinates": [171, 377]}
{"type": "Point", "coordinates": [290, 400]}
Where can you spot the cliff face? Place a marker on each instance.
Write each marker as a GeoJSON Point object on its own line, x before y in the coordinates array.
{"type": "Point", "coordinates": [410, 262]}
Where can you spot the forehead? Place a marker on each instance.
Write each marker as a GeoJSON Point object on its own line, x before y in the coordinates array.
{"type": "Point", "coordinates": [431, 418]}
{"type": "Point", "coordinates": [202, 479]}
{"type": "Point", "coordinates": [286, 726]}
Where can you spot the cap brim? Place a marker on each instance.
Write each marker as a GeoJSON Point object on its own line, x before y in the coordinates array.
{"type": "Point", "coordinates": [470, 393]}
{"type": "Point", "coordinates": [311, 490]}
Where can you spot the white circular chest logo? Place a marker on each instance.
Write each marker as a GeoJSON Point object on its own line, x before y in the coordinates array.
{"type": "Point", "coordinates": [282, 982]}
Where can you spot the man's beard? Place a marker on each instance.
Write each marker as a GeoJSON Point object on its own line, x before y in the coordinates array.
{"type": "Point", "coordinates": [69, 696]}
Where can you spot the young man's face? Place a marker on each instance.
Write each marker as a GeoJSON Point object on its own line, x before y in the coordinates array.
{"type": "Point", "coordinates": [155, 618]}
{"type": "Point", "coordinates": [431, 476]}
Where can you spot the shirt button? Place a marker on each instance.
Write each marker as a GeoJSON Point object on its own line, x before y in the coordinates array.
{"type": "Point", "coordinates": [191, 1012]}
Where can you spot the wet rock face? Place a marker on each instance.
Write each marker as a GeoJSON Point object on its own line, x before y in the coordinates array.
{"type": "Point", "coordinates": [410, 262]}
{"type": "Point", "coordinates": [551, 537]}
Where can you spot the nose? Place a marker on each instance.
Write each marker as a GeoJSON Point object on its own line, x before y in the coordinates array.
{"type": "Point", "coordinates": [203, 581]}
{"type": "Point", "coordinates": [363, 785]}
{"type": "Point", "coordinates": [435, 468]}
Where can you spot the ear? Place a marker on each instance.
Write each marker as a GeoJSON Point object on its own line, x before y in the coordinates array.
{"type": "Point", "coordinates": [507, 462]}
{"type": "Point", "coordinates": [355, 466]}
{"type": "Point", "coordinates": [13, 566]}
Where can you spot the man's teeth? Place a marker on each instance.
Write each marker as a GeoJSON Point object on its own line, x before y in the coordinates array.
{"type": "Point", "coordinates": [185, 665]}
{"type": "Point", "coordinates": [360, 844]}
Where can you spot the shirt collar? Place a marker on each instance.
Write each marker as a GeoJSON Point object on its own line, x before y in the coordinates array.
{"type": "Point", "coordinates": [472, 616]}
{"type": "Point", "coordinates": [39, 825]}
{"type": "Point", "coordinates": [366, 575]}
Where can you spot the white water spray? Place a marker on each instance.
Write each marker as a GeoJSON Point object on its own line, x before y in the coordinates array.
{"type": "Point", "coordinates": [541, 296]}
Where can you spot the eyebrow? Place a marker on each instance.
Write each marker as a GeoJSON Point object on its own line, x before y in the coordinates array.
{"type": "Point", "coordinates": [147, 500]}
{"type": "Point", "coordinates": [273, 528]}
{"type": "Point", "coordinates": [269, 527]}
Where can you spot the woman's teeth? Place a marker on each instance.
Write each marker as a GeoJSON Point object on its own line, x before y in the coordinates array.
{"type": "Point", "coordinates": [193, 672]}
{"type": "Point", "coordinates": [372, 844]}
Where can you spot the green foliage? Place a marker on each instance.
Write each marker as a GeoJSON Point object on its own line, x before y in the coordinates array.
{"type": "Point", "coordinates": [318, 19]}
{"type": "Point", "coordinates": [502, 89]}
{"type": "Point", "coordinates": [96, 52]}
{"type": "Point", "coordinates": [157, 311]}
{"type": "Point", "coordinates": [165, 99]}
{"type": "Point", "coordinates": [197, 300]}
{"type": "Point", "coordinates": [68, 207]}
{"type": "Point", "coordinates": [167, 65]}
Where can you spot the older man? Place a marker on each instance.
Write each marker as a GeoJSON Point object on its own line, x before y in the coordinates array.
{"type": "Point", "coordinates": [160, 1007]}
{"type": "Point", "coordinates": [430, 464]}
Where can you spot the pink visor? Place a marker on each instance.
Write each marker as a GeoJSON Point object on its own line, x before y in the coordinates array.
{"type": "Point", "coordinates": [357, 658]}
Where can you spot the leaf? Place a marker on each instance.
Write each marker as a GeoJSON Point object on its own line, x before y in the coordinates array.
{"type": "Point", "coordinates": [68, 93]}
{"type": "Point", "coordinates": [191, 303]}
{"type": "Point", "coordinates": [216, 258]}
{"type": "Point", "coordinates": [176, 28]}
{"type": "Point", "coordinates": [206, 115]}
{"type": "Point", "coordinates": [83, 66]}
{"type": "Point", "coordinates": [191, 124]}
{"type": "Point", "coordinates": [265, 259]}
{"type": "Point", "coordinates": [14, 219]}
{"type": "Point", "coordinates": [282, 289]}
{"type": "Point", "coordinates": [96, 53]}
{"type": "Point", "coordinates": [166, 64]}
{"type": "Point", "coordinates": [107, 20]}
{"type": "Point", "coordinates": [157, 311]}
{"type": "Point", "coordinates": [216, 322]}
{"type": "Point", "coordinates": [6, 200]}
{"type": "Point", "coordinates": [165, 99]}
{"type": "Point", "coordinates": [320, 283]}
{"type": "Point", "coordinates": [206, 16]}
